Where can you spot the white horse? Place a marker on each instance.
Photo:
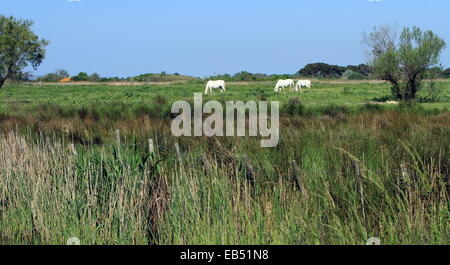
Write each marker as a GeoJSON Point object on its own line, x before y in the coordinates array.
{"type": "Point", "coordinates": [302, 83]}
{"type": "Point", "coordinates": [215, 84]}
{"type": "Point", "coordinates": [284, 83]}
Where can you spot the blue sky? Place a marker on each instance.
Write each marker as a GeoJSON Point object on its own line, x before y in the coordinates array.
{"type": "Point", "coordinates": [206, 37]}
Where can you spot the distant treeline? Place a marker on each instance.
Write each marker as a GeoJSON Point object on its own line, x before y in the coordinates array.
{"type": "Point", "coordinates": [323, 70]}
{"type": "Point", "coordinates": [82, 76]}
{"type": "Point", "coordinates": [314, 70]}
{"type": "Point", "coordinates": [247, 77]}
{"type": "Point", "coordinates": [161, 77]}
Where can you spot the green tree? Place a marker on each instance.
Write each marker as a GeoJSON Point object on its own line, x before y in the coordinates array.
{"type": "Point", "coordinates": [82, 76]}
{"type": "Point", "coordinates": [363, 69]}
{"type": "Point", "coordinates": [94, 77]}
{"type": "Point", "coordinates": [19, 47]}
{"type": "Point", "coordinates": [403, 60]}
{"type": "Point", "coordinates": [61, 74]}
{"type": "Point", "coordinates": [352, 75]}
{"type": "Point", "coordinates": [54, 77]}
{"type": "Point", "coordinates": [22, 77]}
{"type": "Point", "coordinates": [446, 73]}
{"type": "Point", "coordinates": [322, 70]}
{"type": "Point", "coordinates": [244, 76]}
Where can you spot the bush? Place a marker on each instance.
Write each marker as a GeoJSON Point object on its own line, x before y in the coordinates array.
{"type": "Point", "coordinates": [407, 105]}
{"type": "Point", "coordinates": [352, 75]}
{"type": "Point", "coordinates": [335, 110]}
{"type": "Point", "coordinates": [161, 77]}
{"type": "Point", "coordinates": [260, 94]}
{"type": "Point", "coordinates": [82, 76]}
{"type": "Point", "coordinates": [430, 93]}
{"type": "Point", "coordinates": [346, 91]}
{"type": "Point", "coordinates": [372, 107]}
{"type": "Point", "coordinates": [54, 77]}
{"type": "Point", "coordinates": [322, 70]}
{"type": "Point", "coordinates": [446, 73]}
{"type": "Point", "coordinates": [160, 100]}
{"type": "Point", "coordinates": [295, 107]}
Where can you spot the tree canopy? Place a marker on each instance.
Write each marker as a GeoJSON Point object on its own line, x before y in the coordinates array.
{"type": "Point", "coordinates": [19, 47]}
{"type": "Point", "coordinates": [54, 77]}
{"type": "Point", "coordinates": [82, 76]}
{"type": "Point", "coordinates": [403, 60]}
{"type": "Point", "coordinates": [323, 70]}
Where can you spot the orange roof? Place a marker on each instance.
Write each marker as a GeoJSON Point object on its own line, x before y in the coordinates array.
{"type": "Point", "coordinates": [65, 80]}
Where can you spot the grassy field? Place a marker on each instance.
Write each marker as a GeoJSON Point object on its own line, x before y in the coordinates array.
{"type": "Point", "coordinates": [345, 94]}
{"type": "Point", "coordinates": [75, 161]}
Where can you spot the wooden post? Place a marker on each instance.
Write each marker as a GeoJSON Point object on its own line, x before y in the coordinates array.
{"type": "Point", "coordinates": [72, 148]}
{"type": "Point", "coordinates": [229, 155]}
{"type": "Point", "coordinates": [298, 179]}
{"type": "Point", "coordinates": [206, 165]}
{"type": "Point", "coordinates": [151, 147]}
{"type": "Point", "coordinates": [406, 180]}
{"type": "Point", "coordinates": [118, 137]}
{"type": "Point", "coordinates": [178, 153]}
{"type": "Point", "coordinates": [249, 169]}
{"type": "Point", "coordinates": [404, 172]}
{"type": "Point", "coordinates": [361, 190]}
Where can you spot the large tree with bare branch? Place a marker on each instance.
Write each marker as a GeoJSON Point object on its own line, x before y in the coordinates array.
{"type": "Point", "coordinates": [402, 59]}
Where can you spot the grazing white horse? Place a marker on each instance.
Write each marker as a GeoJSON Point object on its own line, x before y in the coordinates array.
{"type": "Point", "coordinates": [284, 83]}
{"type": "Point", "coordinates": [302, 83]}
{"type": "Point", "coordinates": [215, 84]}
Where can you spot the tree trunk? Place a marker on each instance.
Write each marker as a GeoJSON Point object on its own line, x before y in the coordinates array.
{"type": "Point", "coordinates": [414, 88]}
{"type": "Point", "coordinates": [411, 90]}
{"type": "Point", "coordinates": [395, 87]}
{"type": "Point", "coordinates": [2, 81]}
{"type": "Point", "coordinates": [396, 91]}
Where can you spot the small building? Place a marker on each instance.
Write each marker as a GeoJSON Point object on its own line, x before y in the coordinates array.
{"type": "Point", "coordinates": [65, 80]}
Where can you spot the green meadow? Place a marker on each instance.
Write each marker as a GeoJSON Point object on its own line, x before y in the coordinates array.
{"type": "Point", "coordinates": [322, 94]}
{"type": "Point", "coordinates": [76, 161]}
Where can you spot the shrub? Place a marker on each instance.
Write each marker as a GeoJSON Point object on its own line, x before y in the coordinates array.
{"type": "Point", "coordinates": [160, 100]}
{"type": "Point", "coordinates": [260, 94]}
{"type": "Point", "coordinates": [82, 76]}
{"type": "Point", "coordinates": [431, 92]}
{"type": "Point", "coordinates": [295, 107]}
{"type": "Point", "coordinates": [372, 108]}
{"type": "Point", "coordinates": [352, 75]}
{"type": "Point", "coordinates": [446, 73]}
{"type": "Point", "coordinates": [335, 110]}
